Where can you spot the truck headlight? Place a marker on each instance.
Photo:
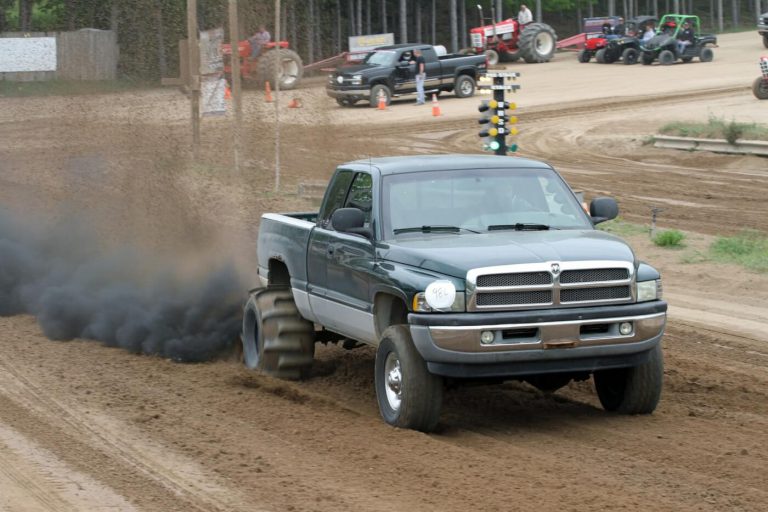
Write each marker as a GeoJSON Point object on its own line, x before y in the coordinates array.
{"type": "Point", "coordinates": [649, 290]}
{"type": "Point", "coordinates": [357, 79]}
{"type": "Point", "coordinates": [340, 79]}
{"type": "Point", "coordinates": [440, 295]}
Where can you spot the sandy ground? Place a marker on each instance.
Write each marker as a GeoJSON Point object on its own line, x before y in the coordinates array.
{"type": "Point", "coordinates": [85, 427]}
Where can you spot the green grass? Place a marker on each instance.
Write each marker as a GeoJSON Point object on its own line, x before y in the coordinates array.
{"type": "Point", "coordinates": [622, 228]}
{"type": "Point", "coordinates": [748, 249]}
{"type": "Point", "coordinates": [669, 238]}
{"type": "Point", "coordinates": [717, 128]}
{"type": "Point", "coordinates": [66, 87]}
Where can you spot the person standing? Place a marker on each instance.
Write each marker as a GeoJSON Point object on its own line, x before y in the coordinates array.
{"type": "Point", "coordinates": [258, 40]}
{"type": "Point", "coordinates": [525, 16]}
{"type": "Point", "coordinates": [421, 75]}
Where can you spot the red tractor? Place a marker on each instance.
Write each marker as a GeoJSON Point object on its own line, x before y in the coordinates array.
{"type": "Point", "coordinates": [508, 41]}
{"type": "Point", "coordinates": [272, 62]}
{"type": "Point", "coordinates": [760, 85]}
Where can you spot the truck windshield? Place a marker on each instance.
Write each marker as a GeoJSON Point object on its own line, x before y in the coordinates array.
{"type": "Point", "coordinates": [380, 58]}
{"type": "Point", "coordinates": [479, 200]}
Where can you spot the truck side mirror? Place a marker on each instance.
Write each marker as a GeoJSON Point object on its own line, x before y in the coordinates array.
{"type": "Point", "coordinates": [602, 209]}
{"type": "Point", "coordinates": [350, 220]}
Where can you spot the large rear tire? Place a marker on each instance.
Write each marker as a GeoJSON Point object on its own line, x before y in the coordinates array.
{"type": "Point", "coordinates": [276, 339]}
{"type": "Point", "coordinates": [632, 390]}
{"type": "Point", "coordinates": [280, 64]}
{"type": "Point", "coordinates": [537, 43]}
{"type": "Point", "coordinates": [760, 88]}
{"type": "Point", "coordinates": [408, 395]}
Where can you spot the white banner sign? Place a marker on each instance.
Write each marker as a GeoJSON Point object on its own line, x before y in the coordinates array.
{"type": "Point", "coordinates": [212, 91]}
{"type": "Point", "coordinates": [19, 54]}
{"type": "Point", "coordinates": [359, 44]}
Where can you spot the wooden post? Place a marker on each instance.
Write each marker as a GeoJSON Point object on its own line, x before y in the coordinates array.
{"type": "Point", "coordinates": [277, 99]}
{"type": "Point", "coordinates": [234, 40]}
{"type": "Point", "coordinates": [194, 73]}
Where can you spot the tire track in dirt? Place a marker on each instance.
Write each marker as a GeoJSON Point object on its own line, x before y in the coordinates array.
{"type": "Point", "coordinates": [118, 448]}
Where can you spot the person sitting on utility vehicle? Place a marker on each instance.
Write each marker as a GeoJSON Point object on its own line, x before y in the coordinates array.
{"type": "Point", "coordinates": [650, 31]}
{"type": "Point", "coordinates": [685, 37]}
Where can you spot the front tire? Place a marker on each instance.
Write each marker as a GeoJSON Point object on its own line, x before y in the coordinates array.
{"type": "Point", "coordinates": [600, 56]}
{"type": "Point", "coordinates": [492, 56]}
{"type": "Point", "coordinates": [380, 89]}
{"type": "Point", "coordinates": [464, 87]}
{"type": "Point", "coordinates": [537, 43]}
{"type": "Point", "coordinates": [583, 56]}
{"type": "Point", "coordinates": [629, 56]}
{"type": "Point", "coordinates": [408, 395]}
{"type": "Point", "coordinates": [666, 58]}
{"type": "Point", "coordinates": [706, 55]}
{"type": "Point", "coordinates": [760, 88]}
{"type": "Point", "coordinates": [632, 390]}
{"type": "Point", "coordinates": [276, 339]}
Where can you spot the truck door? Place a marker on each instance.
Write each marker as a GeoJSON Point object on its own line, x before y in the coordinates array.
{"type": "Point", "coordinates": [343, 303]}
{"type": "Point", "coordinates": [317, 275]}
{"type": "Point", "coordinates": [433, 69]}
{"type": "Point", "coordinates": [405, 74]}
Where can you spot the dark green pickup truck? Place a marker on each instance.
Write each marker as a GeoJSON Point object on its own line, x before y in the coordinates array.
{"type": "Point", "coordinates": [458, 267]}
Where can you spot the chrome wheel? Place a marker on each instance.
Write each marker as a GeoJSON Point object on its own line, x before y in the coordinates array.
{"type": "Point", "coordinates": [466, 87]}
{"type": "Point", "coordinates": [289, 72]}
{"type": "Point", "coordinates": [394, 385]}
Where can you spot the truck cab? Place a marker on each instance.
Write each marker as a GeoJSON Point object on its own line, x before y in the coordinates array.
{"type": "Point", "coordinates": [461, 267]}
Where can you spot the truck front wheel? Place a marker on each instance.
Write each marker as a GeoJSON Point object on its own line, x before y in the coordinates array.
{"type": "Point", "coordinates": [632, 390]}
{"type": "Point", "coordinates": [276, 339]}
{"type": "Point", "coordinates": [408, 395]}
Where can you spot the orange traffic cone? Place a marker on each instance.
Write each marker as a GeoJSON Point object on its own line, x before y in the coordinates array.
{"type": "Point", "coordinates": [227, 93]}
{"type": "Point", "coordinates": [294, 103]}
{"type": "Point", "coordinates": [435, 106]}
{"type": "Point", "coordinates": [267, 92]}
{"type": "Point", "coordinates": [382, 101]}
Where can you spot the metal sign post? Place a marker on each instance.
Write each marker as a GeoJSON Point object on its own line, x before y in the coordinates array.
{"type": "Point", "coordinates": [276, 79]}
{"type": "Point", "coordinates": [234, 39]}
{"type": "Point", "coordinates": [194, 74]}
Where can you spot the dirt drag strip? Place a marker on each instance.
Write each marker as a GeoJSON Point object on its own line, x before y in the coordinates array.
{"type": "Point", "coordinates": [320, 445]}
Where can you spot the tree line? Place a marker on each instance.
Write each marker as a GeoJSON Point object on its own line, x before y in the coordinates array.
{"type": "Point", "coordinates": [149, 30]}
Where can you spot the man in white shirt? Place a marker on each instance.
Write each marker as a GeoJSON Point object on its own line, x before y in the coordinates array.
{"type": "Point", "coordinates": [524, 16]}
{"type": "Point", "coordinates": [650, 31]}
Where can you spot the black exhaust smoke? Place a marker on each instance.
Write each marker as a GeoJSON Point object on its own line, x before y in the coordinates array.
{"type": "Point", "coordinates": [125, 298]}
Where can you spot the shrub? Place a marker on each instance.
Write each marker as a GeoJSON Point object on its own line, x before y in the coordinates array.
{"type": "Point", "coordinates": [749, 249]}
{"type": "Point", "coordinates": [669, 238]}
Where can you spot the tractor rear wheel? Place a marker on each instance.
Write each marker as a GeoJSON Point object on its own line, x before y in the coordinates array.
{"type": "Point", "coordinates": [666, 58]}
{"type": "Point", "coordinates": [760, 88]}
{"type": "Point", "coordinates": [537, 43]}
{"type": "Point", "coordinates": [706, 55]}
{"type": "Point", "coordinates": [280, 64]}
{"type": "Point", "coordinates": [629, 56]}
{"type": "Point", "coordinates": [584, 56]}
{"type": "Point", "coordinates": [492, 56]}
{"type": "Point", "coordinates": [276, 339]}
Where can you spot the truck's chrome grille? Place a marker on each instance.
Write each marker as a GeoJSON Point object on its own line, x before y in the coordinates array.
{"type": "Point", "coordinates": [550, 285]}
{"type": "Point", "coordinates": [522, 279]}
{"type": "Point", "coordinates": [594, 275]}
{"type": "Point", "coordinates": [595, 294]}
{"type": "Point", "coordinates": [504, 298]}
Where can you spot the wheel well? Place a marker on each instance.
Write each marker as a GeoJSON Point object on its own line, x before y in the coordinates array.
{"type": "Point", "coordinates": [278, 274]}
{"type": "Point", "coordinates": [469, 72]}
{"type": "Point", "coordinates": [389, 310]}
